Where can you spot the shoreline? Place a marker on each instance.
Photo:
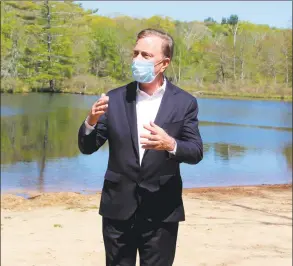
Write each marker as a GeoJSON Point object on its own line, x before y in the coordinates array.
{"type": "Point", "coordinates": [184, 190]}
{"type": "Point", "coordinates": [207, 95]}
{"type": "Point", "coordinates": [21, 200]}
{"type": "Point", "coordinates": [239, 226]}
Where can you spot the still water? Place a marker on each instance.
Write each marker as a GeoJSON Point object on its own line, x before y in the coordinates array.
{"type": "Point", "coordinates": [246, 142]}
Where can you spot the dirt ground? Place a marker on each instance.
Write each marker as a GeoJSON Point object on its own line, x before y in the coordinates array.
{"type": "Point", "coordinates": [243, 226]}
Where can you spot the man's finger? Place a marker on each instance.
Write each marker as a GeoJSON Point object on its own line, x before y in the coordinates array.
{"type": "Point", "coordinates": [151, 129]}
{"type": "Point", "coordinates": [153, 124]}
{"type": "Point", "coordinates": [149, 142]}
{"type": "Point", "coordinates": [101, 107]}
{"type": "Point", "coordinates": [103, 99]}
{"type": "Point", "coordinates": [106, 99]}
{"type": "Point", "coordinates": [99, 112]}
{"type": "Point", "coordinates": [150, 147]}
{"type": "Point", "coordinates": [149, 136]}
{"type": "Point", "coordinates": [104, 96]}
{"type": "Point", "coordinates": [101, 102]}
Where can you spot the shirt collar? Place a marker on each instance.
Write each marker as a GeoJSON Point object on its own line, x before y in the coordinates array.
{"type": "Point", "coordinates": [159, 90]}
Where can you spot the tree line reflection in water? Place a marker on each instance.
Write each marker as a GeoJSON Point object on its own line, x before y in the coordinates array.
{"type": "Point", "coordinates": [51, 133]}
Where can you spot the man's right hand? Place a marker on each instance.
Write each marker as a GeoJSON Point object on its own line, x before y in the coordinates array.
{"type": "Point", "coordinates": [99, 108]}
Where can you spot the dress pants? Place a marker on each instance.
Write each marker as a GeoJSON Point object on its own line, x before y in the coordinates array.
{"type": "Point", "coordinates": [155, 242]}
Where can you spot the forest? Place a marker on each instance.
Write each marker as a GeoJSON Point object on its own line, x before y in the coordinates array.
{"type": "Point", "coordinates": [58, 46]}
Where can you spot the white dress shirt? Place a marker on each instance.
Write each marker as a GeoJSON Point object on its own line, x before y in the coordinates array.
{"type": "Point", "coordinates": [147, 107]}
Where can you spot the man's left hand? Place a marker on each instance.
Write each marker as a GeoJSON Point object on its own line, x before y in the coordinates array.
{"type": "Point", "coordinates": [158, 139]}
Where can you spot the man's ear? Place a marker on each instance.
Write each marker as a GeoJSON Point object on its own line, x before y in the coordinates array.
{"type": "Point", "coordinates": [166, 63]}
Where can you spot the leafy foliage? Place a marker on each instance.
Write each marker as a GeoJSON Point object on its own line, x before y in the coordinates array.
{"type": "Point", "coordinates": [49, 45]}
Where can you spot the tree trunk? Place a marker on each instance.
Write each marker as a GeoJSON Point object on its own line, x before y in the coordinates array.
{"type": "Point", "coordinates": [179, 68]}
{"type": "Point", "coordinates": [14, 53]}
{"type": "Point", "coordinates": [223, 73]}
{"type": "Point", "coordinates": [287, 69]}
{"type": "Point", "coordinates": [175, 76]}
{"type": "Point", "coordinates": [49, 42]}
{"type": "Point", "coordinates": [242, 69]}
{"type": "Point", "coordinates": [234, 50]}
{"type": "Point", "coordinates": [242, 61]}
{"type": "Point", "coordinates": [222, 62]}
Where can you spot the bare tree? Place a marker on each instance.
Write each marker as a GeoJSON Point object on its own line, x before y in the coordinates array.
{"type": "Point", "coordinates": [243, 47]}
{"type": "Point", "coordinates": [233, 26]}
{"type": "Point", "coordinates": [222, 58]}
{"type": "Point", "coordinates": [286, 50]}
{"type": "Point", "coordinates": [234, 29]}
{"type": "Point", "coordinates": [192, 32]}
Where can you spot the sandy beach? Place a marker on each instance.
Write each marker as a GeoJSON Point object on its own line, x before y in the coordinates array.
{"type": "Point", "coordinates": [243, 226]}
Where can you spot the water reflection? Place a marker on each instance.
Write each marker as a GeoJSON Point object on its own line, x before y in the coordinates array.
{"type": "Point", "coordinates": [39, 146]}
{"type": "Point", "coordinates": [225, 151]}
{"type": "Point", "coordinates": [287, 152]}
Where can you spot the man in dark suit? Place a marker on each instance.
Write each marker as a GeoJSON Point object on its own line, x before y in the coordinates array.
{"type": "Point", "coordinates": [151, 126]}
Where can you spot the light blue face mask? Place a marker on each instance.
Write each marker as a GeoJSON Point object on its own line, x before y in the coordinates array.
{"type": "Point", "coordinates": [143, 71]}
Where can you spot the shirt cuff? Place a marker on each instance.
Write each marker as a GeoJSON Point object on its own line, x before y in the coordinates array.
{"type": "Point", "coordinates": [88, 127]}
{"type": "Point", "coordinates": [174, 150]}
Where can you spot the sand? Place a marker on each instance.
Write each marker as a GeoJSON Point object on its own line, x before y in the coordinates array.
{"type": "Point", "coordinates": [224, 226]}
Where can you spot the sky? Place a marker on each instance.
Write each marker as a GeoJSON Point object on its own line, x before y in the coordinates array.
{"type": "Point", "coordinates": [273, 13]}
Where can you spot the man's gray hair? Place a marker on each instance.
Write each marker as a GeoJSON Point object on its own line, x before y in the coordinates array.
{"type": "Point", "coordinates": [168, 44]}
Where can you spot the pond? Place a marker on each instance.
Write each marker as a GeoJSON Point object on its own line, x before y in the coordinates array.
{"type": "Point", "coordinates": [246, 142]}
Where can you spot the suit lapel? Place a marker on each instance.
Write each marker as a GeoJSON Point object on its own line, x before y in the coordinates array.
{"type": "Point", "coordinates": [166, 107]}
{"type": "Point", "coordinates": [130, 106]}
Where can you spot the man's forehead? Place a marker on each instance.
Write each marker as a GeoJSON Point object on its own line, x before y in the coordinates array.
{"type": "Point", "coordinates": [153, 43]}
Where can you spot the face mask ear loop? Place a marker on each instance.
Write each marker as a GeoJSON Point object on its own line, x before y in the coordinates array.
{"type": "Point", "coordinates": [157, 64]}
{"type": "Point", "coordinates": [160, 61]}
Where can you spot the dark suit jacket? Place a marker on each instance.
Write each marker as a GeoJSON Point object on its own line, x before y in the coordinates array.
{"type": "Point", "coordinates": [154, 189]}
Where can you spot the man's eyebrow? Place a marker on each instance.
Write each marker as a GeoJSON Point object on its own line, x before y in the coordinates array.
{"type": "Point", "coordinates": [145, 52]}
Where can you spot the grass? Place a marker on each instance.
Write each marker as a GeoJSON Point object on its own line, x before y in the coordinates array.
{"type": "Point", "coordinates": [98, 86]}
{"type": "Point", "coordinates": [235, 95]}
{"type": "Point", "coordinates": [58, 225]}
{"type": "Point", "coordinates": [83, 208]}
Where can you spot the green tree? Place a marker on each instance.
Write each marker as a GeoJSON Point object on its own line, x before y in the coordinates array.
{"type": "Point", "coordinates": [57, 45]}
